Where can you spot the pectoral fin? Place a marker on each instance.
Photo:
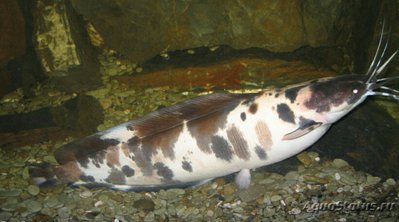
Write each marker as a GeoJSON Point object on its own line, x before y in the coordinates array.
{"type": "Point", "coordinates": [305, 126]}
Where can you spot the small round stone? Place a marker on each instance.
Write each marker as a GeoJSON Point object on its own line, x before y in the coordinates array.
{"type": "Point", "coordinates": [390, 182]}
{"type": "Point", "coordinates": [64, 212]}
{"type": "Point", "coordinates": [33, 206]}
{"type": "Point", "coordinates": [275, 198]}
{"type": "Point", "coordinates": [86, 194]}
{"type": "Point", "coordinates": [33, 190]}
{"type": "Point", "coordinates": [370, 180]}
{"type": "Point", "coordinates": [292, 175]}
{"type": "Point", "coordinates": [145, 204]}
{"type": "Point", "coordinates": [5, 216]}
{"type": "Point", "coordinates": [339, 163]}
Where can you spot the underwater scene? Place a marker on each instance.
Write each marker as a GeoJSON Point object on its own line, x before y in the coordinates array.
{"type": "Point", "coordinates": [177, 110]}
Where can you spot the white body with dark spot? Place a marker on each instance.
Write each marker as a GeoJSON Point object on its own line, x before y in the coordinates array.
{"type": "Point", "coordinates": [214, 135]}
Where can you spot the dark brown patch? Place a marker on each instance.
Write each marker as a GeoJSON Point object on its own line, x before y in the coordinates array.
{"type": "Point", "coordinates": [116, 177]}
{"type": "Point", "coordinates": [92, 147]}
{"type": "Point", "coordinates": [202, 129]}
{"type": "Point", "coordinates": [264, 135]}
{"type": "Point", "coordinates": [221, 148]}
{"type": "Point", "coordinates": [335, 91]}
{"type": "Point", "coordinates": [129, 172]}
{"type": "Point", "coordinates": [112, 156]}
{"type": "Point", "coordinates": [163, 171]}
{"type": "Point", "coordinates": [249, 101]}
{"type": "Point", "coordinates": [261, 153]}
{"type": "Point", "coordinates": [43, 170]}
{"type": "Point", "coordinates": [164, 141]}
{"type": "Point", "coordinates": [88, 179]}
{"type": "Point", "coordinates": [186, 166]}
{"type": "Point", "coordinates": [240, 145]}
{"type": "Point", "coordinates": [69, 172]}
{"type": "Point", "coordinates": [253, 108]}
{"type": "Point", "coordinates": [292, 93]}
{"type": "Point", "coordinates": [285, 113]}
{"type": "Point", "coordinates": [243, 116]}
{"type": "Point", "coordinates": [142, 157]}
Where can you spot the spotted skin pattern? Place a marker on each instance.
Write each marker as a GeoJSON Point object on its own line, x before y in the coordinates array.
{"type": "Point", "coordinates": [206, 137]}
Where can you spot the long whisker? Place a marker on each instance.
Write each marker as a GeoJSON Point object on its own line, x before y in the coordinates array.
{"type": "Point", "coordinates": [383, 82]}
{"type": "Point", "coordinates": [375, 72]}
{"type": "Point", "coordinates": [396, 97]}
{"type": "Point", "coordinates": [386, 62]}
{"type": "Point", "coordinates": [387, 79]}
{"type": "Point", "coordinates": [377, 51]}
{"type": "Point", "coordinates": [390, 89]}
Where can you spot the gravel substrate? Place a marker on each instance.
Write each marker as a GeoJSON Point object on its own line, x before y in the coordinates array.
{"type": "Point", "coordinates": [319, 189]}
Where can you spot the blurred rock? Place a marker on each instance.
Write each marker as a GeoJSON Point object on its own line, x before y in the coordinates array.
{"type": "Point", "coordinates": [12, 29]}
{"type": "Point", "coordinates": [148, 28]}
{"type": "Point", "coordinates": [63, 48]}
{"type": "Point", "coordinates": [235, 73]}
{"type": "Point", "coordinates": [82, 113]}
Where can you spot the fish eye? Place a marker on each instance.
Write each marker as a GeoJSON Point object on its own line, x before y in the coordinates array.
{"type": "Point", "coordinates": [355, 91]}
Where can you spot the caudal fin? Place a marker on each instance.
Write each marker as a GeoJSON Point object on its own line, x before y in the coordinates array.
{"type": "Point", "coordinates": [43, 175]}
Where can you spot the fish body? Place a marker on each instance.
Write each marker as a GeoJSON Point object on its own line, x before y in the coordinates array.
{"type": "Point", "coordinates": [213, 135]}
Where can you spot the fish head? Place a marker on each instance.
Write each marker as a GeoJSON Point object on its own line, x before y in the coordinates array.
{"type": "Point", "coordinates": [334, 97]}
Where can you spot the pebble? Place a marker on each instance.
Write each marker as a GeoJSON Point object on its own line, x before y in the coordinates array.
{"type": "Point", "coordinates": [64, 212]}
{"type": "Point", "coordinates": [295, 211]}
{"type": "Point", "coordinates": [25, 173]}
{"type": "Point", "coordinates": [348, 179]}
{"type": "Point", "coordinates": [371, 180]}
{"type": "Point", "coordinates": [53, 203]}
{"type": "Point", "coordinates": [266, 181]}
{"type": "Point", "coordinates": [316, 179]}
{"type": "Point", "coordinates": [10, 193]}
{"type": "Point", "coordinates": [229, 190]}
{"type": "Point", "coordinates": [305, 159]}
{"type": "Point", "coordinates": [10, 206]}
{"type": "Point", "coordinates": [275, 198]}
{"type": "Point", "coordinates": [139, 69]}
{"type": "Point", "coordinates": [337, 176]}
{"type": "Point", "coordinates": [390, 182]}
{"type": "Point", "coordinates": [33, 190]}
{"type": "Point", "coordinates": [86, 194]}
{"type": "Point", "coordinates": [150, 217]}
{"type": "Point", "coordinates": [5, 216]}
{"type": "Point", "coordinates": [339, 163]}
{"type": "Point", "coordinates": [33, 206]}
{"type": "Point", "coordinates": [144, 204]}
{"type": "Point", "coordinates": [252, 193]}
{"type": "Point", "coordinates": [292, 175]}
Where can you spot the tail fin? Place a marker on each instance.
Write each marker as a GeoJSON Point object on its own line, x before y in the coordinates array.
{"type": "Point", "coordinates": [43, 174]}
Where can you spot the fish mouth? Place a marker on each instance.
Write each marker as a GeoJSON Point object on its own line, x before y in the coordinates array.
{"type": "Point", "coordinates": [379, 86]}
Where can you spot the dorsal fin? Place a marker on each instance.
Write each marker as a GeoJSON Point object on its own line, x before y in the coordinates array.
{"type": "Point", "coordinates": [196, 108]}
